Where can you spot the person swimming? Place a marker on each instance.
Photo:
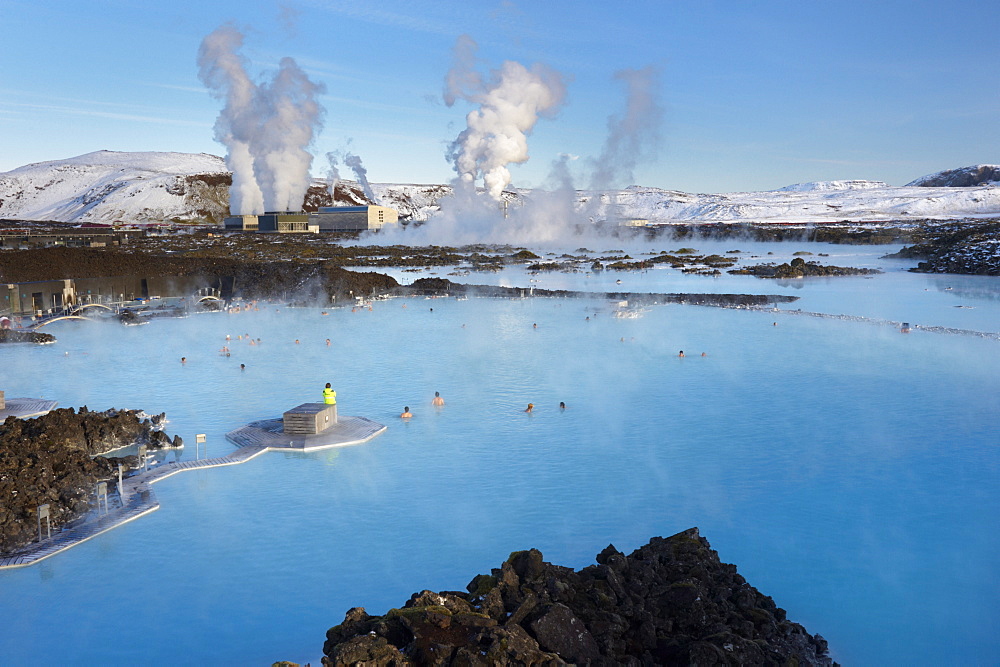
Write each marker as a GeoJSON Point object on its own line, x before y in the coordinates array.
{"type": "Point", "coordinates": [562, 405]}
{"type": "Point", "coordinates": [681, 353]}
{"type": "Point", "coordinates": [437, 399]}
{"type": "Point", "coordinates": [406, 413]}
{"type": "Point", "coordinates": [531, 406]}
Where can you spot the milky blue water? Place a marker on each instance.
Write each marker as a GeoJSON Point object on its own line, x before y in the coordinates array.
{"type": "Point", "coordinates": [849, 470]}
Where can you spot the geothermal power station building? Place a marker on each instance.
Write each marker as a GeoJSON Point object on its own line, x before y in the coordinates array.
{"type": "Point", "coordinates": [327, 219]}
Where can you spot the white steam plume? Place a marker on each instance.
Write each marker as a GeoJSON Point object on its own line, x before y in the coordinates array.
{"type": "Point", "coordinates": [540, 217]}
{"type": "Point", "coordinates": [634, 136]}
{"type": "Point", "coordinates": [354, 162]}
{"type": "Point", "coordinates": [266, 128]}
{"type": "Point", "coordinates": [509, 105]}
{"type": "Point", "coordinates": [332, 175]}
{"type": "Point", "coordinates": [224, 72]}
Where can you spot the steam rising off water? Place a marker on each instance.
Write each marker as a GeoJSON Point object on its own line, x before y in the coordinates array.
{"type": "Point", "coordinates": [847, 469]}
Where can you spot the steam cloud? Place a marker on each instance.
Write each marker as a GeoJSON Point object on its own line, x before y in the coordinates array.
{"type": "Point", "coordinates": [354, 162]}
{"type": "Point", "coordinates": [509, 104]}
{"type": "Point", "coordinates": [265, 127]}
{"type": "Point", "coordinates": [634, 136]}
{"type": "Point", "coordinates": [332, 175]}
{"type": "Point", "coordinates": [554, 214]}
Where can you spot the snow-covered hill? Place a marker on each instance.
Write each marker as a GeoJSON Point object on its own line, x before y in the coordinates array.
{"type": "Point", "coordinates": [108, 186]}
{"type": "Point", "coordinates": [980, 174]}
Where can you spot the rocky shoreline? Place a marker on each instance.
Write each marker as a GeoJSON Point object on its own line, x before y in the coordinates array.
{"type": "Point", "coordinates": [58, 459]}
{"type": "Point", "coordinates": [252, 278]}
{"type": "Point", "coordinates": [670, 602]}
{"type": "Point", "coordinates": [315, 281]}
{"type": "Point", "coordinates": [971, 248]}
{"type": "Point", "coordinates": [443, 287]}
{"type": "Point", "coordinates": [19, 336]}
{"type": "Point", "coordinates": [799, 268]}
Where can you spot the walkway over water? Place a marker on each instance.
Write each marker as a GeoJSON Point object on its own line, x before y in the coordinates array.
{"type": "Point", "coordinates": [138, 499]}
{"type": "Point", "coordinates": [26, 407]}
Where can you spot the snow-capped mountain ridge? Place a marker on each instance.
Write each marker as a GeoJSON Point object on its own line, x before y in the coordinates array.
{"type": "Point", "coordinates": [980, 174]}
{"type": "Point", "coordinates": [833, 186]}
{"type": "Point", "coordinates": [108, 186]}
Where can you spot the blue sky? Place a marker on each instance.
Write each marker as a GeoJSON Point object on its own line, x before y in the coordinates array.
{"type": "Point", "coordinates": [756, 95]}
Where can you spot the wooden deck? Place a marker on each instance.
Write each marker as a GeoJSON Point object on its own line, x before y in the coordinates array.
{"type": "Point", "coordinates": [25, 408]}
{"type": "Point", "coordinates": [138, 498]}
{"type": "Point", "coordinates": [268, 433]}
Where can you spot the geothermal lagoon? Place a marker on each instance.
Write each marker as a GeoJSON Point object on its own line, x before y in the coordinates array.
{"type": "Point", "coordinates": [847, 469]}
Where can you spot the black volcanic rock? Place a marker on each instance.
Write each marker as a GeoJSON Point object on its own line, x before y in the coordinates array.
{"type": "Point", "coordinates": [18, 336]}
{"type": "Point", "coordinates": [799, 268]}
{"type": "Point", "coordinates": [50, 459]}
{"type": "Point", "coordinates": [93, 433]}
{"type": "Point", "coordinates": [968, 247]}
{"type": "Point", "coordinates": [444, 287]}
{"type": "Point", "coordinates": [964, 177]}
{"type": "Point", "coordinates": [671, 602]}
{"type": "Point", "coordinates": [252, 278]}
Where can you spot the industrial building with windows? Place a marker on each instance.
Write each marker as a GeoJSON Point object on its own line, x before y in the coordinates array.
{"type": "Point", "coordinates": [327, 219]}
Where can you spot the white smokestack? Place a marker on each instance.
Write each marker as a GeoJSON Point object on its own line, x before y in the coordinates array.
{"type": "Point", "coordinates": [266, 128]}
{"type": "Point", "coordinates": [509, 105]}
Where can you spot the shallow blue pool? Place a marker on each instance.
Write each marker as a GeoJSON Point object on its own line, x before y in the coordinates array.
{"type": "Point", "coordinates": [850, 471]}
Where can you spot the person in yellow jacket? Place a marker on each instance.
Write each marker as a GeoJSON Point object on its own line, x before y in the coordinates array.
{"type": "Point", "coordinates": [330, 398]}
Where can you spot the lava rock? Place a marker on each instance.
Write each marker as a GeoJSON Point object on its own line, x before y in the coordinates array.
{"type": "Point", "coordinates": [971, 248]}
{"type": "Point", "coordinates": [669, 602]}
{"type": "Point", "coordinates": [799, 268]}
{"type": "Point", "coordinates": [19, 336]}
{"type": "Point", "coordinates": [55, 459]}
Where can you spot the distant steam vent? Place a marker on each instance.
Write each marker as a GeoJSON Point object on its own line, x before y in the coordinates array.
{"type": "Point", "coordinates": [266, 128]}
{"type": "Point", "coordinates": [508, 104]}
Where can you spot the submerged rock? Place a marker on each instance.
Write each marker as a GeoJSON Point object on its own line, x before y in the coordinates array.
{"type": "Point", "coordinates": [669, 602]}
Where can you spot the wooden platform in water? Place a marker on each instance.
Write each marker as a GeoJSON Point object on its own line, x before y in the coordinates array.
{"type": "Point", "coordinates": [25, 408]}
{"type": "Point", "coordinates": [138, 498]}
{"type": "Point", "coordinates": [268, 433]}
